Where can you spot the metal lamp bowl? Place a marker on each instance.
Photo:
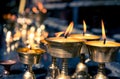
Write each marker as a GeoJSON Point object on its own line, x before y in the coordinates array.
{"type": "Point", "coordinates": [27, 57]}
{"type": "Point", "coordinates": [64, 47]}
{"type": "Point", "coordinates": [102, 53]}
{"type": "Point", "coordinates": [87, 37]}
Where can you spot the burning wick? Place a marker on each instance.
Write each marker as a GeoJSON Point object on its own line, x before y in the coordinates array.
{"type": "Point", "coordinates": [104, 41]}
{"type": "Point", "coordinates": [68, 30]}
{"type": "Point", "coordinates": [84, 27]}
{"type": "Point", "coordinates": [66, 35]}
{"type": "Point", "coordinates": [103, 32]}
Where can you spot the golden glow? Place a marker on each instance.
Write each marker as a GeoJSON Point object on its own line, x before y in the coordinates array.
{"type": "Point", "coordinates": [84, 26]}
{"type": "Point", "coordinates": [103, 30]}
{"type": "Point", "coordinates": [34, 9]}
{"type": "Point", "coordinates": [58, 34]}
{"type": "Point", "coordinates": [69, 29]}
{"type": "Point", "coordinates": [40, 5]}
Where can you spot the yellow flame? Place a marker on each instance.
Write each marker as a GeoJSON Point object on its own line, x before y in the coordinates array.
{"type": "Point", "coordinates": [69, 29]}
{"type": "Point", "coordinates": [40, 5]}
{"type": "Point", "coordinates": [84, 26]}
{"type": "Point", "coordinates": [103, 30]}
{"type": "Point", "coordinates": [58, 34]}
{"type": "Point", "coordinates": [34, 9]}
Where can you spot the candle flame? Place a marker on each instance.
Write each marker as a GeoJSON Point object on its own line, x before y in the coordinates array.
{"type": "Point", "coordinates": [34, 9]}
{"type": "Point", "coordinates": [29, 46]}
{"type": "Point", "coordinates": [103, 30]}
{"type": "Point", "coordinates": [8, 37]}
{"type": "Point", "coordinates": [84, 27]}
{"type": "Point", "coordinates": [69, 29]}
{"type": "Point", "coordinates": [58, 34]}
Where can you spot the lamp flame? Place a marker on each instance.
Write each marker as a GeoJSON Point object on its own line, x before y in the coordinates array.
{"type": "Point", "coordinates": [103, 32]}
{"type": "Point", "coordinates": [84, 27]}
{"type": "Point", "coordinates": [58, 34]}
{"type": "Point", "coordinates": [34, 9]}
{"type": "Point", "coordinates": [69, 29]}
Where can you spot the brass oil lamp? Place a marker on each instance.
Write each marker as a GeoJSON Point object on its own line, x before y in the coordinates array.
{"type": "Point", "coordinates": [102, 52]}
{"type": "Point", "coordinates": [64, 48]}
{"type": "Point", "coordinates": [29, 56]}
{"type": "Point", "coordinates": [82, 69]}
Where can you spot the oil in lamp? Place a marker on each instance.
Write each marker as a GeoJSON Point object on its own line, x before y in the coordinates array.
{"type": "Point", "coordinates": [82, 69]}
{"type": "Point", "coordinates": [64, 48]}
{"type": "Point", "coordinates": [102, 52]}
{"type": "Point", "coordinates": [29, 56]}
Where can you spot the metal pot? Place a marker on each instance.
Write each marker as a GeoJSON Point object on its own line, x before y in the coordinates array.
{"type": "Point", "coordinates": [29, 57]}
{"type": "Point", "coordinates": [102, 53]}
{"type": "Point", "coordinates": [64, 47]}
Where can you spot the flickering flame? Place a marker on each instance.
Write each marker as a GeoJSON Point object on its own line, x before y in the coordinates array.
{"type": "Point", "coordinates": [69, 29]}
{"type": "Point", "coordinates": [44, 10]}
{"type": "Point", "coordinates": [58, 34]}
{"type": "Point", "coordinates": [8, 37]}
{"type": "Point", "coordinates": [8, 49]}
{"type": "Point", "coordinates": [32, 29]}
{"type": "Point", "coordinates": [84, 27]}
{"type": "Point", "coordinates": [12, 47]}
{"type": "Point", "coordinates": [34, 9]}
{"type": "Point", "coordinates": [31, 36]}
{"type": "Point", "coordinates": [40, 5]}
{"type": "Point", "coordinates": [103, 32]}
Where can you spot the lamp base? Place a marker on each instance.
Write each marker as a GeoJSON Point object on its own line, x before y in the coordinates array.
{"type": "Point", "coordinates": [100, 76]}
{"type": "Point", "coordinates": [29, 75]}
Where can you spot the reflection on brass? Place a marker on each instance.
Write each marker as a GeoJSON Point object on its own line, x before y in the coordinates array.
{"type": "Point", "coordinates": [64, 47]}
{"type": "Point", "coordinates": [29, 56]}
{"type": "Point", "coordinates": [102, 54]}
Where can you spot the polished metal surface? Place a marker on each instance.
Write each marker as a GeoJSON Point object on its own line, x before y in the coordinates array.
{"type": "Point", "coordinates": [101, 72]}
{"type": "Point", "coordinates": [81, 71]}
{"type": "Point", "coordinates": [100, 76]}
{"type": "Point", "coordinates": [53, 70]}
{"type": "Point", "coordinates": [63, 76]}
{"type": "Point", "coordinates": [87, 37]}
{"type": "Point", "coordinates": [27, 57]}
{"type": "Point", "coordinates": [29, 74]}
{"type": "Point", "coordinates": [64, 71]}
{"type": "Point", "coordinates": [64, 49]}
{"type": "Point", "coordinates": [102, 54]}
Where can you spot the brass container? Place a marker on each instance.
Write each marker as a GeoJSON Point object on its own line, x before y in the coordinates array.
{"type": "Point", "coordinates": [64, 47]}
{"type": "Point", "coordinates": [102, 53]}
{"type": "Point", "coordinates": [29, 56]}
{"type": "Point", "coordinates": [87, 37]}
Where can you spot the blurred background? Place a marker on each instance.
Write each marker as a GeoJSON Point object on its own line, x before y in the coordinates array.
{"type": "Point", "coordinates": [56, 15]}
